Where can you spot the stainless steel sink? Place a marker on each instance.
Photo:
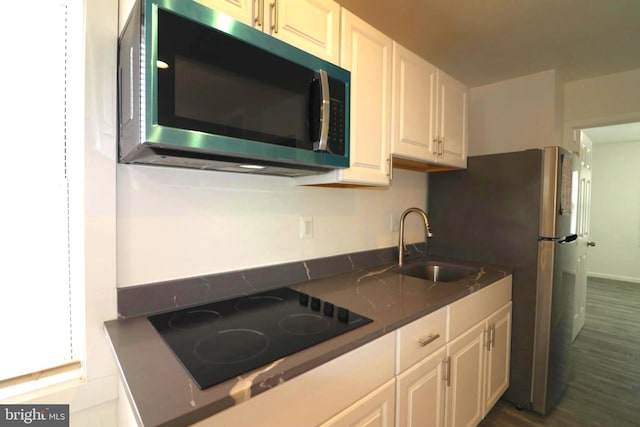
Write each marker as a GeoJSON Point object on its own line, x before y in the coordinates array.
{"type": "Point", "coordinates": [437, 272]}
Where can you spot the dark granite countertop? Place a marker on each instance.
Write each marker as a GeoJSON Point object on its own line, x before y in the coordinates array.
{"type": "Point", "coordinates": [161, 392]}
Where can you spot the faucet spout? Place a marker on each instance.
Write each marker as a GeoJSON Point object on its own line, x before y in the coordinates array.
{"type": "Point", "coordinates": [427, 230]}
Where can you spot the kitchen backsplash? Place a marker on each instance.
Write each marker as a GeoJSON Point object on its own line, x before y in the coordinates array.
{"type": "Point", "coordinates": [175, 223]}
{"type": "Point", "coordinates": [173, 294]}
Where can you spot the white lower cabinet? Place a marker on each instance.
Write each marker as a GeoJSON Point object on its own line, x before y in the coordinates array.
{"type": "Point", "coordinates": [446, 369]}
{"type": "Point", "coordinates": [478, 369]}
{"type": "Point", "coordinates": [465, 366]}
{"type": "Point", "coordinates": [498, 356]}
{"type": "Point", "coordinates": [374, 410]}
{"type": "Point", "coordinates": [420, 393]}
{"type": "Point", "coordinates": [457, 382]}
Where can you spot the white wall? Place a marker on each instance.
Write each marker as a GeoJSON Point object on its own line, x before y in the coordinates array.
{"type": "Point", "coordinates": [615, 212]}
{"type": "Point", "coordinates": [614, 98]}
{"type": "Point", "coordinates": [516, 114]}
{"type": "Point", "coordinates": [174, 223]}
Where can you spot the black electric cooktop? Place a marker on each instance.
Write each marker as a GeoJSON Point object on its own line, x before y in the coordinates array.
{"type": "Point", "coordinates": [221, 340]}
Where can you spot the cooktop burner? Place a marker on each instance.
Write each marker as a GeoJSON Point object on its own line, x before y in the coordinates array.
{"type": "Point", "coordinates": [218, 341]}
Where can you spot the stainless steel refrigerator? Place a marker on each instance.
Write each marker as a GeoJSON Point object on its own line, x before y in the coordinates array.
{"type": "Point", "coordinates": [516, 209]}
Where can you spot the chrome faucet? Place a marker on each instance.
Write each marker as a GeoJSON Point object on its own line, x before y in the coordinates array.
{"type": "Point", "coordinates": [402, 248]}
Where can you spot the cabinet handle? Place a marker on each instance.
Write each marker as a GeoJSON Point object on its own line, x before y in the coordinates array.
{"type": "Point", "coordinates": [274, 8]}
{"type": "Point", "coordinates": [259, 19]}
{"type": "Point", "coordinates": [493, 335]}
{"type": "Point", "coordinates": [447, 371]}
{"type": "Point", "coordinates": [488, 331]}
{"type": "Point", "coordinates": [428, 340]}
{"type": "Point", "coordinates": [442, 147]}
{"type": "Point", "coordinates": [390, 166]}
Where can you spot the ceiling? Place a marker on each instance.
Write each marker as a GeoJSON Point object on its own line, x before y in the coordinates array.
{"type": "Point", "coordinates": [484, 41]}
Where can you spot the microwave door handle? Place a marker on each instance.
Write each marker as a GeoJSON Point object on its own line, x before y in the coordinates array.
{"type": "Point", "coordinates": [325, 110]}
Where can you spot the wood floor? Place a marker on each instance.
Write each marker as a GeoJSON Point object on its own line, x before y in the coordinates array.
{"type": "Point", "coordinates": [604, 388]}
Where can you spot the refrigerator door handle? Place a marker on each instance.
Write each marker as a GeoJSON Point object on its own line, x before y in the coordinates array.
{"type": "Point", "coordinates": [560, 240]}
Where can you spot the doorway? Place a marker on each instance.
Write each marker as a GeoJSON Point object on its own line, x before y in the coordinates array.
{"type": "Point", "coordinates": [608, 208]}
{"type": "Point", "coordinates": [615, 202]}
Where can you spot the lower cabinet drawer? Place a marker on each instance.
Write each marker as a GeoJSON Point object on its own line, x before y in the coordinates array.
{"type": "Point", "coordinates": [420, 338]}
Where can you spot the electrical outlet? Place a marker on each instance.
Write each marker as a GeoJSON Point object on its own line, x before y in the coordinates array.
{"type": "Point", "coordinates": [306, 227]}
{"type": "Point", "coordinates": [394, 223]}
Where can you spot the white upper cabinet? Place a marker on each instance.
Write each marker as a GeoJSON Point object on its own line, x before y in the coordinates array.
{"type": "Point", "coordinates": [401, 105]}
{"type": "Point", "coordinates": [366, 52]}
{"type": "Point", "coordinates": [453, 106]}
{"type": "Point", "coordinates": [414, 105]}
{"type": "Point", "coordinates": [245, 11]}
{"type": "Point", "coordinates": [430, 114]}
{"type": "Point", "coordinates": [311, 25]}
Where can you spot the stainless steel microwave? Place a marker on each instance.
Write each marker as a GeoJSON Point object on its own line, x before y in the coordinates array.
{"type": "Point", "coordinates": [197, 89]}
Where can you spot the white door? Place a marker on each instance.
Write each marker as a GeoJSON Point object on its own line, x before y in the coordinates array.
{"type": "Point", "coordinates": [582, 229]}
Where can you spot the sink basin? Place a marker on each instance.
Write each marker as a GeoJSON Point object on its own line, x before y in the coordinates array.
{"type": "Point", "coordinates": [437, 272]}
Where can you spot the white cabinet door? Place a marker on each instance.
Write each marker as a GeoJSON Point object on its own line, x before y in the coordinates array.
{"type": "Point", "coordinates": [453, 101]}
{"type": "Point", "coordinates": [311, 25]}
{"type": "Point", "coordinates": [414, 106]}
{"type": "Point", "coordinates": [245, 11]}
{"type": "Point", "coordinates": [374, 410]}
{"type": "Point", "coordinates": [430, 114]}
{"type": "Point", "coordinates": [466, 358]}
{"type": "Point", "coordinates": [366, 52]}
{"type": "Point", "coordinates": [498, 355]}
{"type": "Point", "coordinates": [420, 393]}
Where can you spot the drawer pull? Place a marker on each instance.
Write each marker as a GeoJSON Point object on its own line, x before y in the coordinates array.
{"type": "Point", "coordinates": [428, 340]}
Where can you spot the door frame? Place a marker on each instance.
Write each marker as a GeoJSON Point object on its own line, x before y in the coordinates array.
{"type": "Point", "coordinates": [573, 144]}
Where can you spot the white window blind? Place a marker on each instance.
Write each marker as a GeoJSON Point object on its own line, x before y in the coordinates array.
{"type": "Point", "coordinates": [37, 315]}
